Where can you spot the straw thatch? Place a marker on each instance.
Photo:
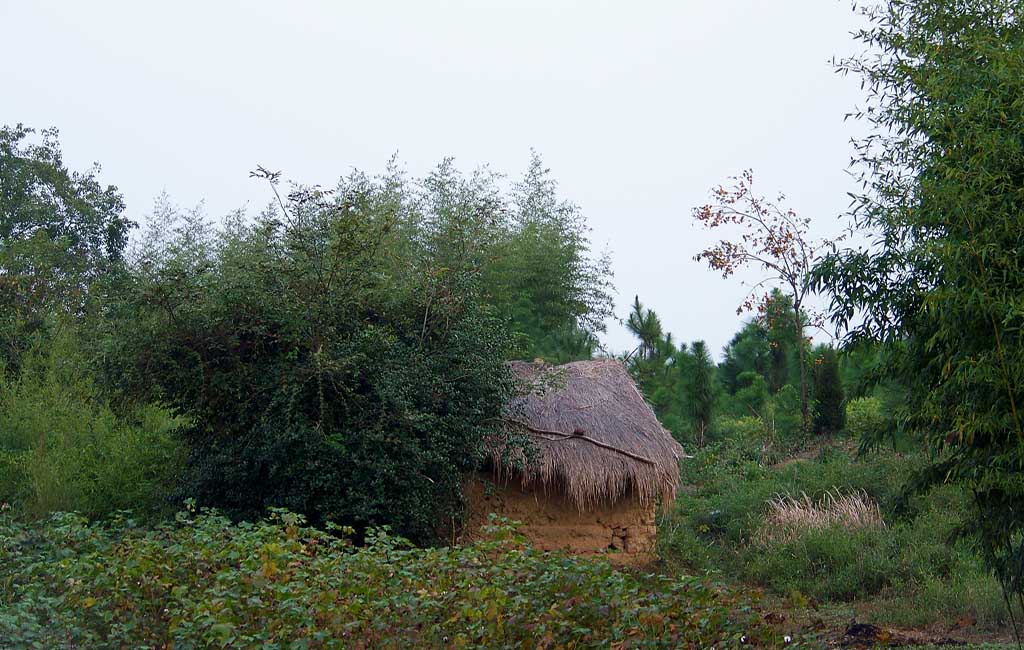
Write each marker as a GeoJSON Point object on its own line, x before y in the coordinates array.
{"type": "Point", "coordinates": [596, 439]}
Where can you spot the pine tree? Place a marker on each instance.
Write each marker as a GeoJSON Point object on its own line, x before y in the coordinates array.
{"type": "Point", "coordinates": [646, 326]}
{"type": "Point", "coordinates": [702, 390]}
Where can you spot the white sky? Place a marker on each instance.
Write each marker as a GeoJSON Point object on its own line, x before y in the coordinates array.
{"type": "Point", "coordinates": [638, 107]}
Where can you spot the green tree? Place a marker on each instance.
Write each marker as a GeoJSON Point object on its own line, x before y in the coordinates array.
{"type": "Point", "coordinates": [942, 285]}
{"type": "Point", "coordinates": [528, 246]}
{"type": "Point", "coordinates": [749, 350]}
{"type": "Point", "coordinates": [702, 392]}
{"type": "Point", "coordinates": [60, 231]}
{"type": "Point", "coordinates": [752, 395]}
{"type": "Point", "coordinates": [541, 272]}
{"type": "Point", "coordinates": [776, 315]}
{"type": "Point", "coordinates": [644, 324]}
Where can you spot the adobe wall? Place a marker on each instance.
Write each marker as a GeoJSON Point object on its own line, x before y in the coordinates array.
{"type": "Point", "coordinates": [624, 531]}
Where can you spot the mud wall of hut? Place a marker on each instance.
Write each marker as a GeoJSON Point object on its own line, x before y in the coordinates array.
{"type": "Point", "coordinates": [625, 530]}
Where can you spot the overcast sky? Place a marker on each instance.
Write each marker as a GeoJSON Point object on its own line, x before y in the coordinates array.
{"type": "Point", "coordinates": [639, 108]}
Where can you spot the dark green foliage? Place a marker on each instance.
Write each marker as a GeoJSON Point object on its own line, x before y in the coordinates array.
{"type": "Point", "coordinates": [942, 286]}
{"type": "Point", "coordinates": [62, 444]}
{"type": "Point", "coordinates": [751, 396]}
{"type": "Point", "coordinates": [767, 346]}
{"type": "Point", "coordinates": [701, 389]}
{"type": "Point", "coordinates": [830, 411]}
{"type": "Point", "coordinates": [200, 582]}
{"type": "Point", "coordinates": [784, 340]}
{"type": "Point", "coordinates": [747, 351]}
{"type": "Point", "coordinates": [60, 231]}
{"type": "Point", "coordinates": [342, 354]}
{"type": "Point", "coordinates": [317, 371]}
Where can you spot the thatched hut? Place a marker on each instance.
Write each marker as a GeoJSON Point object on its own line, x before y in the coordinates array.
{"type": "Point", "coordinates": [599, 463]}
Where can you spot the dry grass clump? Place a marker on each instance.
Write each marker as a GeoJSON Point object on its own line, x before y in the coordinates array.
{"type": "Point", "coordinates": [788, 517]}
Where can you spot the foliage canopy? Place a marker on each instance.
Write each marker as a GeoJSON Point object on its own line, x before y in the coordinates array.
{"type": "Point", "coordinates": [60, 231]}
{"type": "Point", "coordinates": [942, 283]}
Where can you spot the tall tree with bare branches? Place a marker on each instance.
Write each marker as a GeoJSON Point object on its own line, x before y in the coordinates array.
{"type": "Point", "coordinates": [768, 237]}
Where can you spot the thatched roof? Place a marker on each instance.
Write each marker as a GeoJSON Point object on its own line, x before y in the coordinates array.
{"type": "Point", "coordinates": [596, 438]}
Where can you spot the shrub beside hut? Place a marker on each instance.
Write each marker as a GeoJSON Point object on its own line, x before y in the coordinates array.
{"type": "Point", "coordinates": [599, 465]}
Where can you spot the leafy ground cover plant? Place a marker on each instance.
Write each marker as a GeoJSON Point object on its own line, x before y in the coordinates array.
{"type": "Point", "coordinates": [201, 581]}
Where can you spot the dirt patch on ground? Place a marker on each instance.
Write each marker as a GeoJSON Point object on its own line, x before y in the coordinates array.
{"type": "Point", "coordinates": [849, 626]}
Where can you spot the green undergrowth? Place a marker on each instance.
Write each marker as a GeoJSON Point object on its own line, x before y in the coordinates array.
{"type": "Point", "coordinates": [201, 581]}
{"type": "Point", "coordinates": [63, 447]}
{"type": "Point", "coordinates": [913, 571]}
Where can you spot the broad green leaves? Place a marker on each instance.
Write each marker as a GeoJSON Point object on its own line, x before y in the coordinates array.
{"type": "Point", "coordinates": [200, 582]}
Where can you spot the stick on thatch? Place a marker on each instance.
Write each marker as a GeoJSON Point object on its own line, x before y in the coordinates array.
{"type": "Point", "coordinates": [555, 436]}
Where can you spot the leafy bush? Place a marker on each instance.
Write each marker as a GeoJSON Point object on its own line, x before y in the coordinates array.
{"type": "Point", "coordinates": [864, 417]}
{"type": "Point", "coordinates": [201, 582]}
{"type": "Point", "coordinates": [316, 370]}
{"type": "Point", "coordinates": [742, 451]}
{"type": "Point", "coordinates": [63, 448]}
{"type": "Point", "coordinates": [746, 428]}
{"type": "Point", "coordinates": [770, 420]}
{"type": "Point", "coordinates": [752, 395]}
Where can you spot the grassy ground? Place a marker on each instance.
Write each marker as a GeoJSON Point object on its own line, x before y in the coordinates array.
{"type": "Point", "coordinates": [910, 572]}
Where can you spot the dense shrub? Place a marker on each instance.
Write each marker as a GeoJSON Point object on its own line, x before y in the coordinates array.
{"type": "Point", "coordinates": [201, 582]}
{"type": "Point", "coordinates": [317, 369]}
{"type": "Point", "coordinates": [745, 430]}
{"type": "Point", "coordinates": [864, 417]}
{"type": "Point", "coordinates": [782, 416]}
{"type": "Point", "coordinates": [759, 417]}
{"type": "Point", "coordinates": [62, 447]}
